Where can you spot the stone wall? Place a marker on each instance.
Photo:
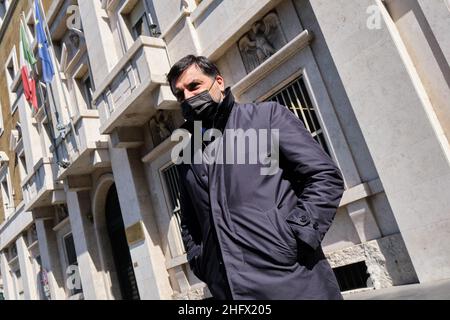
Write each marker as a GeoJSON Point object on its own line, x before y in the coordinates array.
{"type": "Point", "coordinates": [387, 260]}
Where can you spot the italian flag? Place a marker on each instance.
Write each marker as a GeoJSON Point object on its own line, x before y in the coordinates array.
{"type": "Point", "coordinates": [27, 60]}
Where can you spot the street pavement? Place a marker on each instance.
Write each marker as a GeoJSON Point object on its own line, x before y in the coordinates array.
{"type": "Point", "coordinates": [439, 290]}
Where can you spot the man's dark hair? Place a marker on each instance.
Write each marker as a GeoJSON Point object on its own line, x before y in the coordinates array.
{"type": "Point", "coordinates": [203, 63]}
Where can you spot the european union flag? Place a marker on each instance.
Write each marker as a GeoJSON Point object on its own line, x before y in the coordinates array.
{"type": "Point", "coordinates": [43, 46]}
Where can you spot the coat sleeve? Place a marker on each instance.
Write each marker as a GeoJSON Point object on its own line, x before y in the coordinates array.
{"type": "Point", "coordinates": [190, 227]}
{"type": "Point", "coordinates": [321, 179]}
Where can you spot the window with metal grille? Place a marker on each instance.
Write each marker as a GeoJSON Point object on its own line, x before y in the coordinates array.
{"type": "Point", "coordinates": [170, 175]}
{"type": "Point", "coordinates": [71, 258]}
{"type": "Point", "coordinates": [142, 20]}
{"type": "Point", "coordinates": [19, 285]}
{"type": "Point", "coordinates": [295, 96]}
{"type": "Point", "coordinates": [352, 276]}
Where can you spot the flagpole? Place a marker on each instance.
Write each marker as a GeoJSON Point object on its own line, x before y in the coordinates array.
{"type": "Point", "coordinates": [53, 56]}
{"type": "Point", "coordinates": [39, 91]}
{"type": "Point", "coordinates": [49, 39]}
{"type": "Point", "coordinates": [51, 126]}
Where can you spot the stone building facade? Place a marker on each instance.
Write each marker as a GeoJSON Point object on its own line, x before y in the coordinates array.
{"type": "Point", "coordinates": [18, 239]}
{"type": "Point", "coordinates": [99, 217]}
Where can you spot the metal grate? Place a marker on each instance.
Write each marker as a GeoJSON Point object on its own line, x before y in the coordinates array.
{"type": "Point", "coordinates": [295, 96]}
{"type": "Point", "coordinates": [352, 276]}
{"type": "Point", "coordinates": [170, 176]}
{"type": "Point", "coordinates": [71, 257]}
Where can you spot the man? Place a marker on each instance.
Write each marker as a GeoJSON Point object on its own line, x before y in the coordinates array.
{"type": "Point", "coordinates": [250, 235]}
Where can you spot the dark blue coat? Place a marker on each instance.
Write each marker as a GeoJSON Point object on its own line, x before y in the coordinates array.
{"type": "Point", "coordinates": [253, 236]}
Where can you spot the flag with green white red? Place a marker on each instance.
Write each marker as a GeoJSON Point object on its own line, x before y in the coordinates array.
{"type": "Point", "coordinates": [27, 61]}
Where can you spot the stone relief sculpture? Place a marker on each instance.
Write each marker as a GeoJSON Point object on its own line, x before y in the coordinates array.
{"type": "Point", "coordinates": [262, 41]}
{"type": "Point", "coordinates": [161, 126]}
{"type": "Point", "coordinates": [75, 37]}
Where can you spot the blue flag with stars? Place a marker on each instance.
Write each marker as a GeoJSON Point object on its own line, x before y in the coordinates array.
{"type": "Point", "coordinates": [43, 46]}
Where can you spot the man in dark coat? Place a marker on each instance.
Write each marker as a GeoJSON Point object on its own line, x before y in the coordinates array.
{"type": "Point", "coordinates": [250, 233]}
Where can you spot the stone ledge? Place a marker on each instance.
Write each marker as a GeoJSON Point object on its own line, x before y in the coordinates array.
{"type": "Point", "coordinates": [388, 262]}
{"type": "Point", "coordinates": [197, 292]}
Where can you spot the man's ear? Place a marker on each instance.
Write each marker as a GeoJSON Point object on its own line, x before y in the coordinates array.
{"type": "Point", "coordinates": [220, 82]}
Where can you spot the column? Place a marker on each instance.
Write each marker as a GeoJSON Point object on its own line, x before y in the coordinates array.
{"type": "Point", "coordinates": [399, 126]}
{"type": "Point", "coordinates": [48, 248]}
{"type": "Point", "coordinates": [26, 270]}
{"type": "Point", "coordinates": [89, 265]}
{"type": "Point", "coordinates": [134, 197]}
{"type": "Point", "coordinates": [8, 286]}
{"type": "Point", "coordinates": [99, 39]}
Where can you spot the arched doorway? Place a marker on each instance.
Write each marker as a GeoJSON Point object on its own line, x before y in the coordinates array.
{"type": "Point", "coordinates": [120, 250]}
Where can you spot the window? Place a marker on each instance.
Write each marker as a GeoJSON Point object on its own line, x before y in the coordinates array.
{"type": "Point", "coordinates": [83, 87]}
{"type": "Point", "coordinates": [6, 192]}
{"type": "Point", "coordinates": [2, 11]}
{"type": "Point", "coordinates": [140, 27]}
{"type": "Point", "coordinates": [22, 166]}
{"type": "Point", "coordinates": [139, 20]}
{"type": "Point", "coordinates": [16, 144]}
{"type": "Point", "coordinates": [12, 251]}
{"type": "Point", "coordinates": [352, 276]}
{"type": "Point", "coordinates": [2, 125]}
{"type": "Point", "coordinates": [170, 175]}
{"type": "Point", "coordinates": [172, 196]}
{"type": "Point", "coordinates": [295, 96]}
{"type": "Point", "coordinates": [85, 90]}
{"type": "Point", "coordinates": [18, 283]}
{"type": "Point", "coordinates": [11, 69]}
{"type": "Point", "coordinates": [4, 5]}
{"type": "Point", "coordinates": [71, 255]}
{"type": "Point", "coordinates": [71, 258]}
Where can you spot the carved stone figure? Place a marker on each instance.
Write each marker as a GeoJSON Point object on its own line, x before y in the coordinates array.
{"type": "Point", "coordinates": [262, 41]}
{"type": "Point", "coordinates": [161, 126]}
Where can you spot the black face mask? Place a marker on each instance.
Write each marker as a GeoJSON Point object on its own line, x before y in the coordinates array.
{"type": "Point", "coordinates": [200, 107]}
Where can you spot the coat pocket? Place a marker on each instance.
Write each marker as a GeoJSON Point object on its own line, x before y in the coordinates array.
{"type": "Point", "coordinates": [305, 230]}
{"type": "Point", "coordinates": [286, 239]}
{"type": "Point", "coordinates": [261, 242]}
